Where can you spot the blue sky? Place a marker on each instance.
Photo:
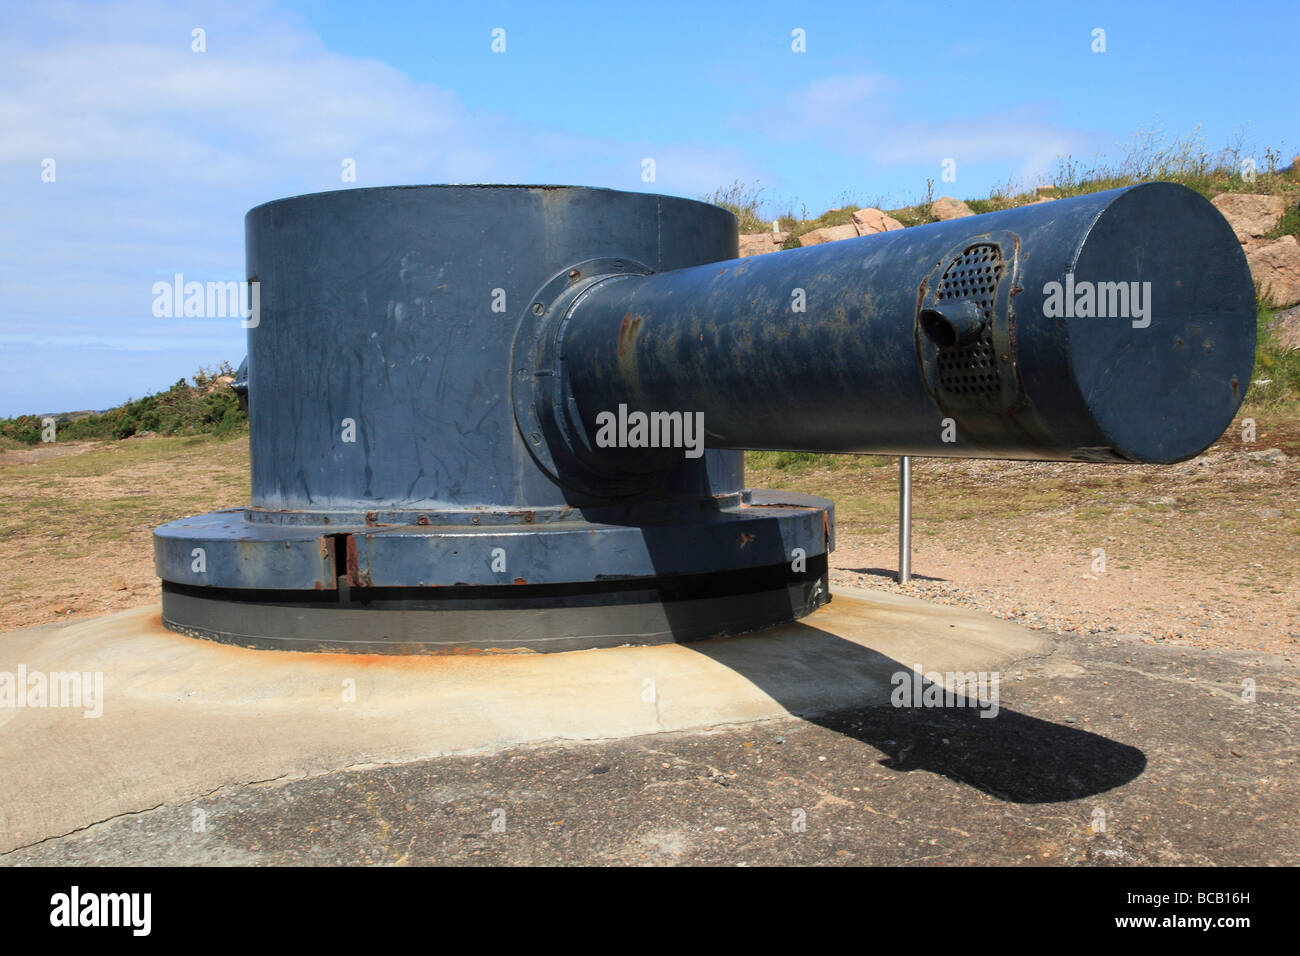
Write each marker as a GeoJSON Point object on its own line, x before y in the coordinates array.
{"type": "Point", "coordinates": [159, 151]}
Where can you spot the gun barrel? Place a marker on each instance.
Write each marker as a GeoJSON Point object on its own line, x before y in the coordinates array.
{"type": "Point", "coordinates": [1117, 326]}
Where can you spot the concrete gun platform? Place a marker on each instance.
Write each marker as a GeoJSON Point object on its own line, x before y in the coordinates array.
{"type": "Point", "coordinates": [779, 747]}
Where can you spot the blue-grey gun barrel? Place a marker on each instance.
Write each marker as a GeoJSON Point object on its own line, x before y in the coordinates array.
{"type": "Point", "coordinates": [1117, 326]}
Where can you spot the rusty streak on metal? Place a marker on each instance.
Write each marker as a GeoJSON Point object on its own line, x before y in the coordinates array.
{"type": "Point", "coordinates": [355, 578]}
{"type": "Point", "coordinates": [627, 332]}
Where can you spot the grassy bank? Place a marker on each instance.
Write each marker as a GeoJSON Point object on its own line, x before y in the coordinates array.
{"type": "Point", "coordinates": [203, 405]}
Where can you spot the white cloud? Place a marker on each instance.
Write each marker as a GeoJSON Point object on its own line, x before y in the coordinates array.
{"type": "Point", "coordinates": [860, 114]}
{"type": "Point", "coordinates": [830, 103]}
{"type": "Point", "coordinates": [160, 151]}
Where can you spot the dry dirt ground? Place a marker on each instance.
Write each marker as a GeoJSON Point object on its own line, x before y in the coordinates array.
{"type": "Point", "coordinates": [1205, 553]}
{"type": "Point", "coordinates": [76, 519]}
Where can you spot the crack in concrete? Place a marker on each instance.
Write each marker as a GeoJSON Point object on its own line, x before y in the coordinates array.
{"type": "Point", "coordinates": [142, 812]}
{"type": "Point", "coordinates": [60, 836]}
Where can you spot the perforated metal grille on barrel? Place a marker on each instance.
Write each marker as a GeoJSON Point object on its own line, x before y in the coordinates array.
{"type": "Point", "coordinates": [974, 275]}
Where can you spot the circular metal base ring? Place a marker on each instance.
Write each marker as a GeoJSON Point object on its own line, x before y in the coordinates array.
{"type": "Point", "coordinates": [519, 619]}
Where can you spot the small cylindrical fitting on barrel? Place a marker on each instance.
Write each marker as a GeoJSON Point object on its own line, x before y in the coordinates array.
{"type": "Point", "coordinates": [957, 323]}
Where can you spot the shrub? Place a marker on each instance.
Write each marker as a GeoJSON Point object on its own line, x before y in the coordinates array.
{"type": "Point", "coordinates": [200, 406]}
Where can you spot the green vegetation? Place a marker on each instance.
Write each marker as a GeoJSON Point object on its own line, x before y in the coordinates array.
{"type": "Point", "coordinates": [742, 200]}
{"type": "Point", "coordinates": [803, 462]}
{"type": "Point", "coordinates": [1275, 383]}
{"type": "Point", "coordinates": [1288, 225]}
{"type": "Point", "coordinates": [1153, 154]}
{"type": "Point", "coordinates": [205, 405]}
{"type": "Point", "coordinates": [832, 217]}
